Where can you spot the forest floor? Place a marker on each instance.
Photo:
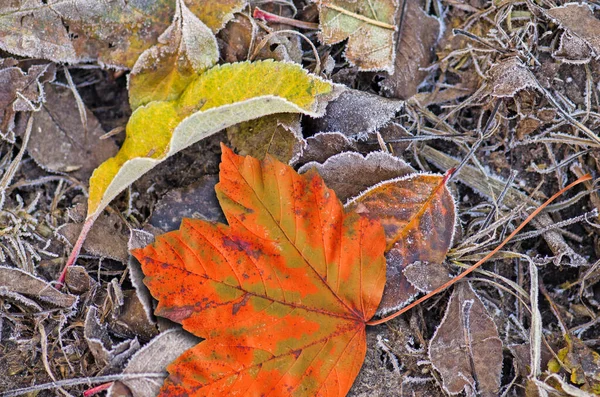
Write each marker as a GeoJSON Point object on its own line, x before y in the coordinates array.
{"type": "Point", "coordinates": [508, 91]}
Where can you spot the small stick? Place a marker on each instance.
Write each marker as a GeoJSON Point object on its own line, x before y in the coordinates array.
{"type": "Point", "coordinates": [584, 178]}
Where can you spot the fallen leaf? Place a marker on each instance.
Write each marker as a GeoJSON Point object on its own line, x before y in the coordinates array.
{"type": "Point", "coordinates": [350, 174]}
{"type": "Point", "coordinates": [369, 26]}
{"type": "Point", "coordinates": [186, 49]}
{"type": "Point", "coordinates": [418, 215]}
{"type": "Point", "coordinates": [18, 87]}
{"type": "Point", "coordinates": [223, 96]}
{"type": "Point", "coordinates": [16, 282]}
{"type": "Point", "coordinates": [241, 41]}
{"type": "Point", "coordinates": [60, 143]}
{"type": "Point", "coordinates": [78, 281]}
{"type": "Point", "coordinates": [572, 49]}
{"type": "Point", "coordinates": [139, 239]}
{"type": "Point", "coordinates": [197, 201]}
{"type": "Point", "coordinates": [152, 358]}
{"type": "Point", "coordinates": [356, 113]}
{"type": "Point", "coordinates": [324, 145]}
{"type": "Point", "coordinates": [107, 238]}
{"type": "Point", "coordinates": [579, 20]}
{"type": "Point", "coordinates": [282, 294]}
{"type": "Point", "coordinates": [112, 33]}
{"type": "Point", "coordinates": [106, 351]}
{"type": "Point", "coordinates": [509, 77]}
{"type": "Point", "coordinates": [131, 321]}
{"type": "Point", "coordinates": [466, 349]}
{"type": "Point", "coordinates": [414, 52]}
{"type": "Point", "coordinates": [426, 276]}
{"type": "Point", "coordinates": [279, 135]}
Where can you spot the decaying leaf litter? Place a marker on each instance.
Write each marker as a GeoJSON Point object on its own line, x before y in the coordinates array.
{"type": "Point", "coordinates": [510, 86]}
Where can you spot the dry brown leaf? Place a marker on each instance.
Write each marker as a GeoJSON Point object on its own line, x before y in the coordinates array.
{"type": "Point", "coordinates": [78, 281]}
{"type": "Point", "coordinates": [427, 276]}
{"type": "Point", "coordinates": [350, 174]}
{"type": "Point", "coordinates": [578, 19]}
{"type": "Point", "coordinates": [17, 88]}
{"type": "Point", "coordinates": [466, 349]}
{"type": "Point", "coordinates": [60, 143]}
{"type": "Point", "coordinates": [324, 145]}
{"type": "Point", "coordinates": [509, 77]}
{"type": "Point", "coordinates": [572, 49]}
{"type": "Point", "coordinates": [108, 237]}
{"type": "Point", "coordinates": [16, 282]}
{"type": "Point", "coordinates": [414, 52]}
{"type": "Point", "coordinates": [106, 351]}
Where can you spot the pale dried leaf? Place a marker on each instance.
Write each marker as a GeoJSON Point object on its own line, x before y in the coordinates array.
{"type": "Point", "coordinates": [20, 282]}
{"type": "Point", "coordinates": [356, 113]}
{"type": "Point", "coordinates": [509, 77]}
{"type": "Point", "coordinates": [466, 349]}
{"type": "Point", "coordinates": [369, 26]}
{"type": "Point", "coordinates": [153, 358]}
{"type": "Point", "coordinates": [579, 20]}
{"type": "Point", "coordinates": [350, 174]}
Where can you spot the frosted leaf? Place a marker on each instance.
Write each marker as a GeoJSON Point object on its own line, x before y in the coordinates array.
{"type": "Point", "coordinates": [466, 349]}
{"type": "Point", "coordinates": [349, 173]}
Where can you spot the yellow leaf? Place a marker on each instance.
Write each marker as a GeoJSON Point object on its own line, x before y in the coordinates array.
{"type": "Point", "coordinates": [219, 98]}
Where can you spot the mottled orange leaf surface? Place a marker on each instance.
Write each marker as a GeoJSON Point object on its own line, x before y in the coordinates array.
{"type": "Point", "coordinates": [418, 215]}
{"type": "Point", "coordinates": [281, 294]}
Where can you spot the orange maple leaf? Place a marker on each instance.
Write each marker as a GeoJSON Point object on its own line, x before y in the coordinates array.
{"type": "Point", "coordinates": [281, 295]}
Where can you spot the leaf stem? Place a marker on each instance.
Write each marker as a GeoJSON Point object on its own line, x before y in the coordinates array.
{"type": "Point", "coordinates": [87, 226]}
{"type": "Point", "coordinates": [97, 389]}
{"type": "Point", "coordinates": [584, 178]}
{"type": "Point", "coordinates": [268, 17]}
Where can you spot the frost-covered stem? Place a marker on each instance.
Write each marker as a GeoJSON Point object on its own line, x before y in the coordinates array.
{"type": "Point", "coordinates": [80, 381]}
{"type": "Point", "coordinates": [97, 389]}
{"type": "Point", "coordinates": [268, 17]}
{"type": "Point", "coordinates": [87, 225]}
{"type": "Point", "coordinates": [584, 178]}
